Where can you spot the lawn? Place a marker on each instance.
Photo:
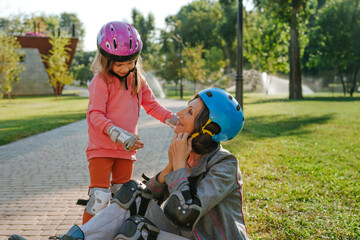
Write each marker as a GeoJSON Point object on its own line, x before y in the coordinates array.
{"type": "Point", "coordinates": [300, 162]}
{"type": "Point", "coordinates": [300, 159]}
{"type": "Point", "coordinates": [26, 116]}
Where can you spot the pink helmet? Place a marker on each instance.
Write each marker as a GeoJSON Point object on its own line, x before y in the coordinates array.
{"type": "Point", "coordinates": [119, 41]}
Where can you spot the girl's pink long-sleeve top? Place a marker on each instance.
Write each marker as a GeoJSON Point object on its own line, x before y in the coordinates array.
{"type": "Point", "coordinates": [109, 105]}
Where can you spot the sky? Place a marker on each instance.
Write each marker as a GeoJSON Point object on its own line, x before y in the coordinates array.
{"type": "Point", "coordinates": [93, 14]}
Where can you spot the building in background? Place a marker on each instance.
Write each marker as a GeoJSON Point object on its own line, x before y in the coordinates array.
{"type": "Point", "coordinates": [35, 80]}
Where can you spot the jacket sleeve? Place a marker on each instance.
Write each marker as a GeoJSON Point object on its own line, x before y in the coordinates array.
{"type": "Point", "coordinates": [152, 106]}
{"type": "Point", "coordinates": [158, 190]}
{"type": "Point", "coordinates": [217, 184]}
{"type": "Point", "coordinates": [98, 97]}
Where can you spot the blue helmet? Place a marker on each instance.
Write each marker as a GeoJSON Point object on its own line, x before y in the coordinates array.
{"type": "Point", "coordinates": [225, 111]}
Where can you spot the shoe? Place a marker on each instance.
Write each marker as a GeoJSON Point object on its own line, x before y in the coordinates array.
{"type": "Point", "coordinates": [16, 237]}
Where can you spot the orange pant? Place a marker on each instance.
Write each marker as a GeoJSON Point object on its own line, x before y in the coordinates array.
{"type": "Point", "coordinates": [101, 169]}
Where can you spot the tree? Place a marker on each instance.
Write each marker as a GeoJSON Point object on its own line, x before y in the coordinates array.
{"type": "Point", "coordinates": [194, 64]}
{"type": "Point", "coordinates": [10, 66]}
{"type": "Point", "coordinates": [57, 67]}
{"type": "Point", "coordinates": [146, 28]}
{"type": "Point", "coordinates": [197, 23]}
{"type": "Point", "coordinates": [70, 22]}
{"type": "Point", "coordinates": [266, 43]}
{"type": "Point", "coordinates": [80, 66]}
{"type": "Point", "coordinates": [294, 13]}
{"type": "Point", "coordinates": [227, 26]}
{"type": "Point", "coordinates": [335, 42]}
{"type": "Point", "coordinates": [169, 57]}
{"type": "Point", "coordinates": [215, 64]}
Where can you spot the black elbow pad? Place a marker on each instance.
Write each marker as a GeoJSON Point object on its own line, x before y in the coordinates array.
{"type": "Point", "coordinates": [180, 213]}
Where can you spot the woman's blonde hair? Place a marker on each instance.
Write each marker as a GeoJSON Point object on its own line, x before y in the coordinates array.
{"type": "Point", "coordinates": [103, 66]}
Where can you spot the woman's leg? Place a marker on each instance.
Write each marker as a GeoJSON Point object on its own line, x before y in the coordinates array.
{"type": "Point", "coordinates": [106, 224]}
{"type": "Point", "coordinates": [99, 171]}
{"type": "Point", "coordinates": [157, 216]}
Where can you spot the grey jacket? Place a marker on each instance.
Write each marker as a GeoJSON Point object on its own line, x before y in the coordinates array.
{"type": "Point", "coordinates": [216, 182]}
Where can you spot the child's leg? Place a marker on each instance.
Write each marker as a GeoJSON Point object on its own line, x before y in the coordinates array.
{"type": "Point", "coordinates": [121, 173]}
{"type": "Point", "coordinates": [100, 171]}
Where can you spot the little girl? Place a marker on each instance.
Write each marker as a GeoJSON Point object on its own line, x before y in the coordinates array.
{"type": "Point", "coordinates": [117, 92]}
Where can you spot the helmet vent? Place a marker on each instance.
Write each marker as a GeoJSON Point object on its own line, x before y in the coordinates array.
{"type": "Point", "coordinates": [115, 45]}
{"type": "Point", "coordinates": [209, 94]}
{"type": "Point", "coordinates": [230, 97]}
{"type": "Point", "coordinates": [238, 107]}
{"type": "Point", "coordinates": [111, 27]}
{"type": "Point", "coordinates": [137, 44]}
{"type": "Point", "coordinates": [108, 45]}
{"type": "Point", "coordinates": [130, 44]}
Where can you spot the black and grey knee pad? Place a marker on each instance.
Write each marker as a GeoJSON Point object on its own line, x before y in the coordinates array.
{"type": "Point", "coordinates": [182, 211]}
{"type": "Point", "coordinates": [127, 194]}
{"type": "Point", "coordinates": [137, 227]}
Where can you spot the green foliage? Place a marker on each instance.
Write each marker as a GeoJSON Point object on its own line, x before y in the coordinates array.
{"type": "Point", "coordinates": [300, 167]}
{"type": "Point", "coordinates": [82, 73]}
{"type": "Point", "coordinates": [294, 14]}
{"type": "Point", "coordinates": [49, 25]}
{"type": "Point", "coordinates": [227, 27]}
{"type": "Point", "coordinates": [197, 23]}
{"type": "Point", "coordinates": [266, 43]}
{"type": "Point", "coordinates": [194, 64]}
{"type": "Point", "coordinates": [215, 59]}
{"type": "Point", "coordinates": [215, 64]}
{"type": "Point", "coordinates": [334, 44]}
{"type": "Point", "coordinates": [10, 66]}
{"type": "Point", "coordinates": [145, 27]}
{"type": "Point", "coordinates": [57, 64]}
{"type": "Point", "coordinates": [81, 64]}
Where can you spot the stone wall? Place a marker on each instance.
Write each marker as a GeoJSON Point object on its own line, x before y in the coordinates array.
{"type": "Point", "coordinates": [34, 79]}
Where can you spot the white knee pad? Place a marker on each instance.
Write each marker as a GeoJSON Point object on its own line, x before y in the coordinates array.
{"type": "Point", "coordinates": [99, 199]}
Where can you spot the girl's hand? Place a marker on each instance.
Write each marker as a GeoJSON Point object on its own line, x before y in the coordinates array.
{"type": "Point", "coordinates": [137, 145]}
{"type": "Point", "coordinates": [179, 150]}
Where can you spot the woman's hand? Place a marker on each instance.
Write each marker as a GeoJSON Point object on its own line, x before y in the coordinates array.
{"type": "Point", "coordinates": [179, 150]}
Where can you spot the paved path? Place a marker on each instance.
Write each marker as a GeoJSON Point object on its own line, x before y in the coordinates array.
{"type": "Point", "coordinates": [41, 177]}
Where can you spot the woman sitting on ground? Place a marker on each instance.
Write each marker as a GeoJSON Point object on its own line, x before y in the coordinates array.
{"type": "Point", "coordinates": [198, 195]}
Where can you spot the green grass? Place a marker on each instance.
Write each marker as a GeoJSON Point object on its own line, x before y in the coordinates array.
{"type": "Point", "coordinates": [26, 116]}
{"type": "Point", "coordinates": [300, 162]}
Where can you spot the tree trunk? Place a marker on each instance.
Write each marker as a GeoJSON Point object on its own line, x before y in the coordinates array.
{"type": "Point", "coordinates": [58, 89]}
{"type": "Point", "coordinates": [228, 55]}
{"type": "Point", "coordinates": [295, 89]}
{"type": "Point", "coordinates": [343, 84]}
{"type": "Point", "coordinates": [353, 85]}
{"type": "Point", "coordinates": [194, 86]}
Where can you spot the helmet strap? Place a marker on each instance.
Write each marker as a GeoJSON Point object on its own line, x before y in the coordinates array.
{"type": "Point", "coordinates": [124, 78]}
{"type": "Point", "coordinates": [203, 130]}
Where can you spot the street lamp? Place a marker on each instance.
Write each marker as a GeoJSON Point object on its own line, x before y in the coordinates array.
{"type": "Point", "coordinates": [178, 38]}
{"type": "Point", "coordinates": [239, 56]}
